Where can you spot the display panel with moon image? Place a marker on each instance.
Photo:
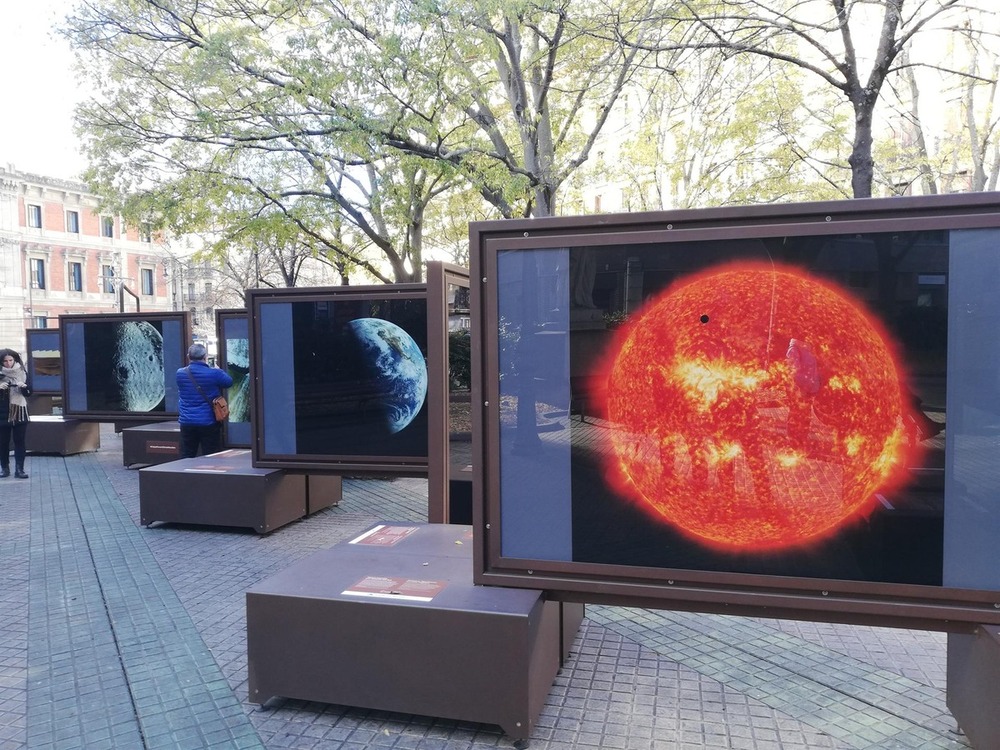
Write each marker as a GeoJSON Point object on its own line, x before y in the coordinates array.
{"type": "Point", "coordinates": [123, 366]}
{"type": "Point", "coordinates": [785, 407]}
{"type": "Point", "coordinates": [344, 378]}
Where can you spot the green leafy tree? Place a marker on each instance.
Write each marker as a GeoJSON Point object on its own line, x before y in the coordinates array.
{"type": "Point", "coordinates": [345, 120]}
{"type": "Point", "coordinates": [848, 46]}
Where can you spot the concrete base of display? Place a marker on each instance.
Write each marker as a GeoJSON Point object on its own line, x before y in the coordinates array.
{"type": "Point", "coordinates": [61, 436]}
{"type": "Point", "coordinates": [392, 621]}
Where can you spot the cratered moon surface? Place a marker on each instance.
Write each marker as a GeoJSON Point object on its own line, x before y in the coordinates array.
{"type": "Point", "coordinates": [138, 366]}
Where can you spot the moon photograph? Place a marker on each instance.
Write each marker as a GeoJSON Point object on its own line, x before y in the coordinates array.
{"type": "Point", "coordinates": [125, 366]}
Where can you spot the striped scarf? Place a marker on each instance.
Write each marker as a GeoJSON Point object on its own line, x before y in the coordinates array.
{"type": "Point", "coordinates": [16, 378]}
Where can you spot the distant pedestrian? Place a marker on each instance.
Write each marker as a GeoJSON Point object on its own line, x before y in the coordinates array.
{"type": "Point", "coordinates": [197, 385]}
{"type": "Point", "coordinates": [14, 390]}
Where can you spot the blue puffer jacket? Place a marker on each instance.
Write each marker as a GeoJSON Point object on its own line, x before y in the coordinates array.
{"type": "Point", "coordinates": [192, 407]}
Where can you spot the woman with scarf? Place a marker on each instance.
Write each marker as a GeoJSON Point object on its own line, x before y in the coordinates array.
{"type": "Point", "coordinates": [14, 390]}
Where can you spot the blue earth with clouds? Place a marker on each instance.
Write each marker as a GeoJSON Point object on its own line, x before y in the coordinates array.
{"type": "Point", "coordinates": [399, 365]}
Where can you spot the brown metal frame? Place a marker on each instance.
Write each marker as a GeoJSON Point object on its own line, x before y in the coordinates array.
{"type": "Point", "coordinates": [373, 464]}
{"type": "Point", "coordinates": [439, 276]}
{"type": "Point", "coordinates": [122, 416]}
{"type": "Point", "coordinates": [936, 608]}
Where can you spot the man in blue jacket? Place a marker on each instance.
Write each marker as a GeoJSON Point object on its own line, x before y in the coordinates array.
{"type": "Point", "coordinates": [197, 385]}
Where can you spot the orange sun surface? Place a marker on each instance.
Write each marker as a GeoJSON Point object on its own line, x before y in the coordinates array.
{"type": "Point", "coordinates": [755, 407]}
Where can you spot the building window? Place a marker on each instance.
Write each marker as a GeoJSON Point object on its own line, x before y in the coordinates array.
{"type": "Point", "coordinates": [107, 274]}
{"type": "Point", "coordinates": [39, 321]}
{"type": "Point", "coordinates": [37, 266]}
{"type": "Point", "coordinates": [145, 233]}
{"type": "Point", "coordinates": [73, 222]}
{"type": "Point", "coordinates": [34, 216]}
{"type": "Point", "coordinates": [208, 287]}
{"type": "Point", "coordinates": [190, 290]}
{"type": "Point", "coordinates": [107, 226]}
{"type": "Point", "coordinates": [75, 276]}
{"type": "Point", "coordinates": [147, 281]}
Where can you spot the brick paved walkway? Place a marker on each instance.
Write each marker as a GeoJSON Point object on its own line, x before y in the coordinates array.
{"type": "Point", "coordinates": [117, 636]}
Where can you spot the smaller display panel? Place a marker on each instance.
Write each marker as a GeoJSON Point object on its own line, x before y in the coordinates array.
{"type": "Point", "coordinates": [342, 377]}
{"type": "Point", "coordinates": [44, 361]}
{"type": "Point", "coordinates": [232, 328]}
{"type": "Point", "coordinates": [122, 366]}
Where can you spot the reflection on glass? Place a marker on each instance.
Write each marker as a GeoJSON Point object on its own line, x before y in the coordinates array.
{"type": "Point", "coordinates": [238, 367]}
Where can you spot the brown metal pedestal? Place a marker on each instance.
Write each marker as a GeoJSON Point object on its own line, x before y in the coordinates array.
{"type": "Point", "coordinates": [151, 444]}
{"type": "Point", "coordinates": [323, 491]}
{"type": "Point", "coordinates": [973, 692]}
{"type": "Point", "coordinates": [394, 622]}
{"type": "Point", "coordinates": [221, 490]}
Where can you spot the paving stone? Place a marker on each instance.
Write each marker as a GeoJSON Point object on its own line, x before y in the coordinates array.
{"type": "Point", "coordinates": [123, 637]}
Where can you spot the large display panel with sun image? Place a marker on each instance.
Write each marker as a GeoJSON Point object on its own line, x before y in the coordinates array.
{"type": "Point", "coordinates": [44, 361]}
{"type": "Point", "coordinates": [232, 329]}
{"type": "Point", "coordinates": [341, 378]}
{"type": "Point", "coordinates": [122, 366]}
{"type": "Point", "coordinates": [781, 410]}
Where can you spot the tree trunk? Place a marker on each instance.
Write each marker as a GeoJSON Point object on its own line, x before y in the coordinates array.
{"type": "Point", "coordinates": [861, 161]}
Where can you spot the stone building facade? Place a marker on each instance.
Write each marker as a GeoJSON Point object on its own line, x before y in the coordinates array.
{"type": "Point", "coordinates": [60, 254]}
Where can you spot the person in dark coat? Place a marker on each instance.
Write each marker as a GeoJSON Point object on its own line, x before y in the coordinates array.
{"type": "Point", "coordinates": [14, 390]}
{"type": "Point", "coordinates": [197, 385]}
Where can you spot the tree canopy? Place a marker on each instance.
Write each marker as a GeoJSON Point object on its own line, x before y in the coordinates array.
{"type": "Point", "coordinates": [353, 133]}
{"type": "Point", "coordinates": [344, 120]}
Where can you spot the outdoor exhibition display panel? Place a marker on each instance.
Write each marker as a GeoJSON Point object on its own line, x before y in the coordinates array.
{"type": "Point", "coordinates": [151, 444]}
{"type": "Point", "coordinates": [222, 489]}
{"type": "Point", "coordinates": [61, 436]}
{"type": "Point", "coordinates": [121, 367]}
{"type": "Point", "coordinates": [785, 411]}
{"type": "Point", "coordinates": [392, 621]}
{"type": "Point", "coordinates": [44, 361]}
{"type": "Point", "coordinates": [353, 379]}
{"type": "Point", "coordinates": [232, 333]}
